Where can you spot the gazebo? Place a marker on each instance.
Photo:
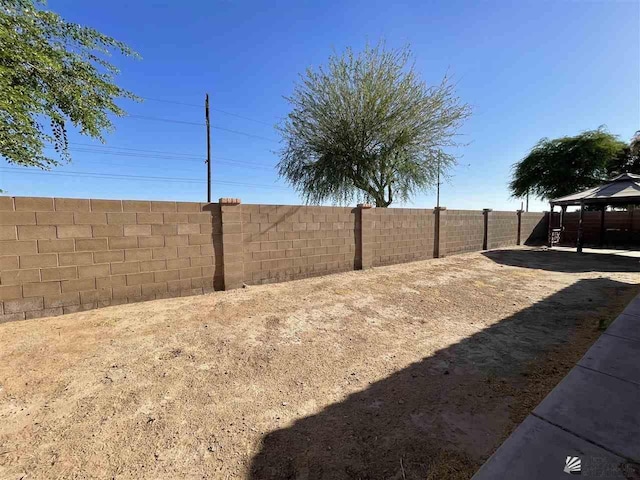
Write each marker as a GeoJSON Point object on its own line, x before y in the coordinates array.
{"type": "Point", "coordinates": [622, 190]}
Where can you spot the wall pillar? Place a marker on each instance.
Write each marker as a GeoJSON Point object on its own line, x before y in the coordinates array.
{"type": "Point", "coordinates": [232, 254]}
{"type": "Point", "coordinates": [437, 212]}
{"type": "Point", "coordinates": [485, 236]}
{"type": "Point", "coordinates": [366, 233]}
{"type": "Point", "coordinates": [519, 236]}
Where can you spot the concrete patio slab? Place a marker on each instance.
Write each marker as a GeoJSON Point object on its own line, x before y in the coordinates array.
{"type": "Point", "coordinates": [597, 407]}
{"type": "Point", "coordinates": [614, 356]}
{"type": "Point", "coordinates": [626, 326]}
{"type": "Point", "coordinates": [633, 308]}
{"type": "Point", "coordinates": [634, 254]}
{"type": "Point", "coordinates": [537, 449]}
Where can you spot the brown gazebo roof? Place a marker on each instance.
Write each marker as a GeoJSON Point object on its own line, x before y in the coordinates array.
{"type": "Point", "coordinates": [621, 190]}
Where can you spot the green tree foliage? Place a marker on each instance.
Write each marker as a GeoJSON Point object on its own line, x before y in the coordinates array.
{"type": "Point", "coordinates": [52, 72]}
{"type": "Point", "coordinates": [561, 166]}
{"type": "Point", "coordinates": [632, 163]}
{"type": "Point", "coordinates": [366, 127]}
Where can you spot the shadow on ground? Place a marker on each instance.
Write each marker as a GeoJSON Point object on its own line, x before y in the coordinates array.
{"type": "Point", "coordinates": [562, 261]}
{"type": "Point", "coordinates": [440, 418]}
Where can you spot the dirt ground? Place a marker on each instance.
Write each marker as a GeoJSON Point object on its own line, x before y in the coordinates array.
{"type": "Point", "coordinates": [415, 371]}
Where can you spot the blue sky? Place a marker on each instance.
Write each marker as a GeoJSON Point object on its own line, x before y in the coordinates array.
{"type": "Point", "coordinates": [529, 69]}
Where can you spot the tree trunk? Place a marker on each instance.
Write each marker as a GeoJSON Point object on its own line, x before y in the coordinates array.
{"type": "Point", "coordinates": [382, 203]}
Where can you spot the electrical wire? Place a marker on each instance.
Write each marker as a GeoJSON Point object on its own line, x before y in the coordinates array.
{"type": "Point", "coordinates": [137, 155]}
{"type": "Point", "coordinates": [182, 122]}
{"type": "Point", "coordinates": [210, 108]}
{"type": "Point", "coordinates": [139, 177]}
{"type": "Point", "coordinates": [168, 120]}
{"type": "Point", "coordinates": [155, 154]}
{"type": "Point", "coordinates": [250, 135]}
{"type": "Point", "coordinates": [114, 147]}
{"type": "Point", "coordinates": [154, 157]}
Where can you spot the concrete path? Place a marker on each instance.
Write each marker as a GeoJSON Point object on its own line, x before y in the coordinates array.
{"type": "Point", "coordinates": [604, 251]}
{"type": "Point", "coordinates": [592, 414]}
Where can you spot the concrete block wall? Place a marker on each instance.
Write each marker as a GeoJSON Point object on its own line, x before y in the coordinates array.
{"type": "Point", "coordinates": [61, 255]}
{"type": "Point", "coordinates": [502, 229]}
{"type": "Point", "coordinates": [400, 235]}
{"type": "Point", "coordinates": [284, 242]}
{"type": "Point", "coordinates": [461, 231]}
{"type": "Point", "coordinates": [533, 228]}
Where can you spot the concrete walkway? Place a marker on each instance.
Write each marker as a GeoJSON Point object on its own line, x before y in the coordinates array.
{"type": "Point", "coordinates": [604, 251]}
{"type": "Point", "coordinates": [592, 414]}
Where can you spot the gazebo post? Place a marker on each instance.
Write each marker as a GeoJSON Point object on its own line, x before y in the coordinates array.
{"type": "Point", "coordinates": [563, 210]}
{"type": "Point", "coordinates": [630, 209]}
{"type": "Point", "coordinates": [604, 207]}
{"type": "Point", "coordinates": [550, 226]}
{"type": "Point", "coordinates": [579, 240]}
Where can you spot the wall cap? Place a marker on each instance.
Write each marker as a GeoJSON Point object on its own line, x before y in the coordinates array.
{"type": "Point", "coordinates": [364, 205]}
{"type": "Point", "coordinates": [439, 208]}
{"type": "Point", "coordinates": [229, 201]}
{"type": "Point", "coordinates": [487, 210]}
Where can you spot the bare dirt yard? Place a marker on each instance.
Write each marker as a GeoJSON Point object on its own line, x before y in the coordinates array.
{"type": "Point", "coordinates": [414, 371]}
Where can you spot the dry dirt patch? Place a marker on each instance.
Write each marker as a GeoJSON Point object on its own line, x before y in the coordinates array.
{"type": "Point", "coordinates": [410, 371]}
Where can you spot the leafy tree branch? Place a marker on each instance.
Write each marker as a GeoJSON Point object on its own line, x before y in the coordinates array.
{"type": "Point", "coordinates": [561, 166]}
{"type": "Point", "coordinates": [366, 127]}
{"type": "Point", "coordinates": [53, 73]}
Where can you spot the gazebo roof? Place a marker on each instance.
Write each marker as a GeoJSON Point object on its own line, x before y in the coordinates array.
{"type": "Point", "coordinates": [621, 190]}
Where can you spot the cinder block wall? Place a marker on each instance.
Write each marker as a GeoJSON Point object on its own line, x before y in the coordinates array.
{"type": "Point", "coordinates": [283, 242]}
{"type": "Point", "coordinates": [400, 235]}
{"type": "Point", "coordinates": [66, 255]}
{"type": "Point", "coordinates": [533, 228]}
{"type": "Point", "coordinates": [502, 229]}
{"type": "Point", "coordinates": [461, 231]}
{"type": "Point", "coordinates": [61, 255]}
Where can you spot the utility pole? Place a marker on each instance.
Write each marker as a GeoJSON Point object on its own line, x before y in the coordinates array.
{"type": "Point", "coordinates": [438, 189]}
{"type": "Point", "coordinates": [208, 161]}
{"type": "Point", "coordinates": [527, 200]}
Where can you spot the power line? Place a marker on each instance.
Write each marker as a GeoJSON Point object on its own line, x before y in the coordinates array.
{"type": "Point", "coordinates": [168, 120]}
{"type": "Point", "coordinates": [213, 109]}
{"type": "Point", "coordinates": [218, 160]}
{"type": "Point", "coordinates": [104, 175]}
{"type": "Point", "coordinates": [250, 135]}
{"type": "Point", "coordinates": [242, 162]}
{"type": "Point", "coordinates": [182, 122]}
{"type": "Point", "coordinates": [113, 147]}
{"type": "Point", "coordinates": [242, 117]}
{"type": "Point", "coordinates": [171, 101]}
{"type": "Point", "coordinates": [156, 154]}
{"type": "Point", "coordinates": [136, 155]}
{"type": "Point", "coordinates": [139, 177]}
